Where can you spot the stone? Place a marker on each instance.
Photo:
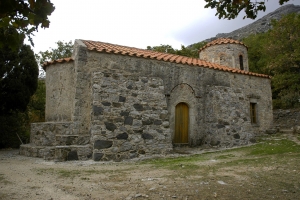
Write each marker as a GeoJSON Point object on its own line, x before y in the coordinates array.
{"type": "Point", "coordinates": [126, 146]}
{"type": "Point", "coordinates": [97, 156]}
{"type": "Point", "coordinates": [124, 113]}
{"type": "Point", "coordinates": [110, 126]}
{"type": "Point", "coordinates": [128, 120]}
{"type": "Point", "coordinates": [141, 151]}
{"type": "Point", "coordinates": [102, 144]}
{"type": "Point", "coordinates": [72, 155]}
{"type": "Point", "coordinates": [105, 103]}
{"type": "Point", "coordinates": [147, 122]}
{"type": "Point", "coordinates": [115, 104]}
{"type": "Point", "coordinates": [236, 136]}
{"type": "Point", "coordinates": [147, 136]}
{"type": "Point", "coordinates": [252, 140]}
{"type": "Point", "coordinates": [122, 136]}
{"type": "Point", "coordinates": [214, 142]}
{"type": "Point", "coordinates": [220, 126]}
{"type": "Point", "coordinates": [157, 122]}
{"type": "Point", "coordinates": [138, 107]}
{"type": "Point", "coordinates": [122, 99]}
{"type": "Point", "coordinates": [97, 110]}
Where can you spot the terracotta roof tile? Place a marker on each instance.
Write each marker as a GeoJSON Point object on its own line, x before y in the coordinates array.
{"type": "Point", "coordinates": [222, 41]}
{"type": "Point", "coordinates": [148, 54]}
{"type": "Point", "coordinates": [45, 64]}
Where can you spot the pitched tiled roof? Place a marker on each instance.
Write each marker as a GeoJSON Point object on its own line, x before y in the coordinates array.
{"type": "Point", "coordinates": [222, 41]}
{"type": "Point", "coordinates": [45, 64]}
{"type": "Point", "coordinates": [148, 54]}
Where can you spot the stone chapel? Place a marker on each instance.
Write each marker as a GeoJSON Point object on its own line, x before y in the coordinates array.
{"type": "Point", "coordinates": [112, 102]}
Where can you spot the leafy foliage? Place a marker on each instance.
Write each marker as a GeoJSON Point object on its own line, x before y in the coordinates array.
{"type": "Point", "coordinates": [18, 82]}
{"type": "Point", "coordinates": [230, 9]}
{"type": "Point", "coordinates": [25, 17]}
{"type": "Point", "coordinates": [63, 50]}
{"type": "Point", "coordinates": [190, 51]}
{"type": "Point", "coordinates": [277, 53]}
{"type": "Point", "coordinates": [36, 106]}
{"type": "Point", "coordinates": [18, 76]}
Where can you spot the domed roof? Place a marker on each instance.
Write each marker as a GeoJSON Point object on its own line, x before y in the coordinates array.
{"type": "Point", "coordinates": [222, 41]}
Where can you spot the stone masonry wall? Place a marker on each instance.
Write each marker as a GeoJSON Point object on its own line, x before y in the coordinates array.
{"type": "Point", "coordinates": [129, 116]}
{"type": "Point", "coordinates": [287, 119]}
{"type": "Point", "coordinates": [60, 92]}
{"type": "Point", "coordinates": [57, 141]}
{"type": "Point", "coordinates": [227, 117]}
{"type": "Point", "coordinates": [241, 88]}
{"type": "Point", "coordinates": [226, 55]}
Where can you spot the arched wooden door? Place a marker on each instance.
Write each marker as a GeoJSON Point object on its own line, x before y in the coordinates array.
{"type": "Point", "coordinates": [181, 124]}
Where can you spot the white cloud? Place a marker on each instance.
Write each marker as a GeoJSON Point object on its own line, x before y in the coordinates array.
{"type": "Point", "coordinates": [133, 23]}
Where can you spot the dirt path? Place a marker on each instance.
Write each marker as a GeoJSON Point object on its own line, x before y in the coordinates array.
{"type": "Point", "coordinates": [220, 175]}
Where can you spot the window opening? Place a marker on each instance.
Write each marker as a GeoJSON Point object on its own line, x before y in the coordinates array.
{"type": "Point", "coordinates": [253, 113]}
{"type": "Point", "coordinates": [241, 62]}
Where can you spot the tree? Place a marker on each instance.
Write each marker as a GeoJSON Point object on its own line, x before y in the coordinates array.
{"type": "Point", "coordinates": [190, 51]}
{"type": "Point", "coordinates": [277, 53]}
{"type": "Point", "coordinates": [25, 17]}
{"type": "Point", "coordinates": [282, 50]}
{"type": "Point", "coordinates": [164, 48]}
{"type": "Point", "coordinates": [256, 58]}
{"type": "Point", "coordinates": [63, 50]}
{"type": "Point", "coordinates": [230, 9]}
{"type": "Point", "coordinates": [18, 76]}
{"type": "Point", "coordinates": [18, 82]}
{"type": "Point", "coordinates": [36, 106]}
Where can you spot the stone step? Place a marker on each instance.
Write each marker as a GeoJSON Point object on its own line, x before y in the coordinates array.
{"type": "Point", "coordinates": [286, 130]}
{"type": "Point", "coordinates": [58, 140]}
{"type": "Point", "coordinates": [57, 153]}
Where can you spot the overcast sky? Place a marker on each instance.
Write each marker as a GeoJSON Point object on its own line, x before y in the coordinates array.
{"type": "Point", "coordinates": [137, 23]}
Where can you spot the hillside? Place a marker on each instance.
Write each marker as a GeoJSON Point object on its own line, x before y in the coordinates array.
{"type": "Point", "coordinates": [259, 26]}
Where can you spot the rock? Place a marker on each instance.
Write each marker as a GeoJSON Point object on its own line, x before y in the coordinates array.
{"type": "Point", "coordinates": [122, 136]}
{"type": "Point", "coordinates": [122, 99]}
{"type": "Point", "coordinates": [97, 110]}
{"type": "Point", "coordinates": [102, 144]}
{"type": "Point", "coordinates": [138, 107]}
{"type": "Point", "coordinates": [128, 120]}
{"type": "Point", "coordinates": [97, 156]}
{"type": "Point", "coordinates": [72, 155]}
{"type": "Point", "coordinates": [110, 126]}
{"type": "Point", "coordinates": [147, 136]}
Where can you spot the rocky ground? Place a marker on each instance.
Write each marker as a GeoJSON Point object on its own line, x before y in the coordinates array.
{"type": "Point", "coordinates": [267, 170]}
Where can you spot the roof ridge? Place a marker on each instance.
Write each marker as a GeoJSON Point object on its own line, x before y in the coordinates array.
{"type": "Point", "coordinates": [222, 41]}
{"type": "Point", "coordinates": [60, 60]}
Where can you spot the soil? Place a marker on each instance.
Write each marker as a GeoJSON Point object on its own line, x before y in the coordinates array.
{"type": "Point", "coordinates": [196, 174]}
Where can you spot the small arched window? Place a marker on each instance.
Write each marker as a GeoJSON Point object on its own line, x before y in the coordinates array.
{"type": "Point", "coordinates": [241, 62]}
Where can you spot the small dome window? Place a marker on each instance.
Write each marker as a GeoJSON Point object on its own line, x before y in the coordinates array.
{"type": "Point", "coordinates": [241, 62]}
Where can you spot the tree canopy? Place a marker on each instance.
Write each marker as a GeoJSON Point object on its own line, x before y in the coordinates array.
{"type": "Point", "coordinates": [277, 53]}
{"type": "Point", "coordinates": [25, 17]}
{"type": "Point", "coordinates": [63, 50]}
{"type": "Point", "coordinates": [18, 75]}
{"type": "Point", "coordinates": [189, 51]}
{"type": "Point", "coordinates": [230, 9]}
{"type": "Point", "coordinates": [18, 82]}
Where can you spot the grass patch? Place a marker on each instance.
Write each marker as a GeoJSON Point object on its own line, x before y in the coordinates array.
{"type": "Point", "coordinates": [225, 156]}
{"type": "Point", "coordinates": [275, 147]}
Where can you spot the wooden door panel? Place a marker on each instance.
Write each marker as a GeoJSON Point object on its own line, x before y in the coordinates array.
{"type": "Point", "coordinates": [181, 123]}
